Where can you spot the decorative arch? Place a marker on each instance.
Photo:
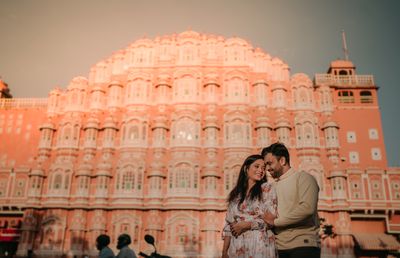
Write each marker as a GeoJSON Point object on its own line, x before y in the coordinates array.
{"type": "Point", "coordinates": [182, 231]}
{"type": "Point", "coordinates": [52, 233]}
{"type": "Point", "coordinates": [237, 129]}
{"type": "Point", "coordinates": [185, 131]}
{"type": "Point", "coordinates": [306, 131]}
{"type": "Point", "coordinates": [231, 175]}
{"type": "Point", "coordinates": [129, 179]}
{"type": "Point", "coordinates": [186, 86]}
{"type": "Point", "coordinates": [60, 180]}
{"type": "Point", "coordinates": [138, 89]}
{"type": "Point", "coordinates": [140, 53]}
{"type": "Point", "coordinates": [183, 179]}
{"type": "Point", "coordinates": [236, 88]}
{"type": "Point", "coordinates": [134, 131]}
{"type": "Point", "coordinates": [69, 134]}
{"type": "Point", "coordinates": [129, 224]}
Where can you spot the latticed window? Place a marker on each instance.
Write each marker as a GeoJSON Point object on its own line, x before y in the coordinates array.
{"type": "Point", "coordinates": [128, 181]}
{"type": "Point", "coordinates": [346, 96]}
{"type": "Point", "coordinates": [186, 132]}
{"type": "Point", "coordinates": [366, 97]}
{"type": "Point", "coordinates": [133, 133]}
{"type": "Point", "coordinates": [236, 90]}
{"type": "Point", "coordinates": [67, 133]}
{"type": "Point", "coordinates": [57, 181]}
{"type": "Point", "coordinates": [302, 97]}
{"type": "Point", "coordinates": [261, 93]}
{"type": "Point", "coordinates": [231, 176]}
{"type": "Point", "coordinates": [283, 134]}
{"type": "Point", "coordinates": [183, 179]}
{"type": "Point", "coordinates": [185, 89]}
{"type": "Point", "coordinates": [83, 182]}
{"type": "Point", "coordinates": [237, 132]}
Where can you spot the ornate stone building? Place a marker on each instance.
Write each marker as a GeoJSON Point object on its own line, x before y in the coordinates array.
{"type": "Point", "coordinates": [152, 142]}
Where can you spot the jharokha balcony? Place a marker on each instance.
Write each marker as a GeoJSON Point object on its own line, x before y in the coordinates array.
{"type": "Point", "coordinates": [23, 103]}
{"type": "Point", "coordinates": [345, 80]}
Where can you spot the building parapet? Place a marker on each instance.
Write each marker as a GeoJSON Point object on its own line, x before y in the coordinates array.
{"type": "Point", "coordinates": [344, 80]}
{"type": "Point", "coordinates": [18, 103]}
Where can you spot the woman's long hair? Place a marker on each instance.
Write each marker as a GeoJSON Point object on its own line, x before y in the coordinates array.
{"type": "Point", "coordinates": [242, 184]}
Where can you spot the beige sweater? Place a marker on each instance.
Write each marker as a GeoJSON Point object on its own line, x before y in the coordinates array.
{"type": "Point", "coordinates": [297, 223]}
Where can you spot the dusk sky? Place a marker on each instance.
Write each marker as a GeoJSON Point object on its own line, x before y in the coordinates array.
{"type": "Point", "coordinates": [45, 43]}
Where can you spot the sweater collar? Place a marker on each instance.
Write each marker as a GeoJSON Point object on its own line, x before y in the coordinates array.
{"type": "Point", "coordinates": [286, 175]}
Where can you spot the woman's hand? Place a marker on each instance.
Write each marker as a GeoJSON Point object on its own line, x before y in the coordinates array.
{"type": "Point", "coordinates": [238, 228]}
{"type": "Point", "coordinates": [269, 218]}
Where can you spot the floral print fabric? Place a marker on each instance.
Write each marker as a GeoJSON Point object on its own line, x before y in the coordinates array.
{"type": "Point", "coordinates": [259, 241]}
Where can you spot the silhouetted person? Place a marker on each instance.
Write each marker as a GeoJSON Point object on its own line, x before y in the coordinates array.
{"type": "Point", "coordinates": [124, 251]}
{"type": "Point", "coordinates": [102, 243]}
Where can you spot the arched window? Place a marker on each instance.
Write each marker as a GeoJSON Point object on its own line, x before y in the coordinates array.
{"type": "Point", "coordinates": [302, 98]}
{"type": "Point", "coordinates": [211, 92]}
{"type": "Point", "coordinates": [67, 132]}
{"type": "Point", "coordinates": [90, 137]}
{"type": "Point", "coordinates": [60, 181]}
{"type": "Point", "coordinates": [305, 134]}
{"type": "Point", "coordinates": [134, 133]}
{"type": "Point", "coordinates": [136, 92]}
{"type": "Point", "coordinates": [231, 176]}
{"type": "Point", "coordinates": [57, 182]}
{"type": "Point", "coordinates": [279, 98]}
{"type": "Point", "coordinates": [237, 133]}
{"type": "Point", "coordinates": [186, 89]}
{"type": "Point", "coordinates": [129, 180]}
{"type": "Point", "coordinates": [236, 90]}
{"type": "Point", "coordinates": [331, 137]}
{"type": "Point", "coordinates": [183, 180]}
{"type": "Point", "coordinates": [308, 135]}
{"type": "Point", "coordinates": [185, 132]}
{"type": "Point", "coordinates": [115, 95]}
{"type": "Point", "coordinates": [83, 183]}
{"type": "Point", "coordinates": [366, 96]}
{"type": "Point", "coordinates": [346, 96]}
{"type": "Point", "coordinates": [163, 93]}
{"type": "Point", "coordinates": [260, 92]}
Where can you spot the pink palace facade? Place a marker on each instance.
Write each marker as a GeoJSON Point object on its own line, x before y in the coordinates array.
{"type": "Point", "coordinates": [152, 142]}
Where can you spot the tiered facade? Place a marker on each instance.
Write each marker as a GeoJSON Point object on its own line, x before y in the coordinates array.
{"type": "Point", "coordinates": [152, 143]}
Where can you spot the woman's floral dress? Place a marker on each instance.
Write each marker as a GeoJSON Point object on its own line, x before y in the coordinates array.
{"type": "Point", "coordinates": [259, 241]}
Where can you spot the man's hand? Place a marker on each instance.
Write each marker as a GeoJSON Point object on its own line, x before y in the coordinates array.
{"type": "Point", "coordinates": [269, 218]}
{"type": "Point", "coordinates": [238, 228]}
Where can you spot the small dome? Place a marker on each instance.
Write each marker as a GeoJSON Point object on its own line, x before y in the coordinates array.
{"type": "Point", "coordinates": [342, 64]}
{"type": "Point", "coordinates": [79, 83]}
{"type": "Point", "coordinates": [189, 34]}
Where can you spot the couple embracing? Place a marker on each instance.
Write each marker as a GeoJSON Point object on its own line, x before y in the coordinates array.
{"type": "Point", "coordinates": [272, 219]}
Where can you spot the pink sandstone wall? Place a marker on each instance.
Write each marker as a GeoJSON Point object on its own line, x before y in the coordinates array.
{"type": "Point", "coordinates": [153, 140]}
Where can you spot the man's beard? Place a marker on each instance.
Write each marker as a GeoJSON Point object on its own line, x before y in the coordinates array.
{"type": "Point", "coordinates": [120, 245]}
{"type": "Point", "coordinates": [276, 174]}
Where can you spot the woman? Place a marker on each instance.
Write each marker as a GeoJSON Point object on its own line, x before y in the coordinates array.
{"type": "Point", "coordinates": [245, 233]}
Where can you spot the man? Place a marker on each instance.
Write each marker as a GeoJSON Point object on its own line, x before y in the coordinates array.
{"type": "Point", "coordinates": [124, 251]}
{"type": "Point", "coordinates": [296, 226]}
{"type": "Point", "coordinates": [102, 242]}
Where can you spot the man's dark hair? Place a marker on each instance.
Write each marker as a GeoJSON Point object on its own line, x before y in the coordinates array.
{"type": "Point", "coordinates": [103, 241]}
{"type": "Point", "coordinates": [278, 150]}
{"type": "Point", "coordinates": [123, 240]}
